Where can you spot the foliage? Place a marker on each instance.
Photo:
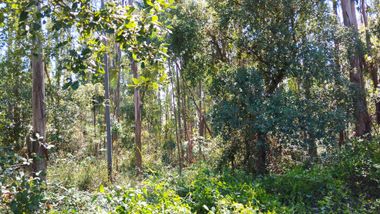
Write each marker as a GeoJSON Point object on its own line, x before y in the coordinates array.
{"type": "Point", "coordinates": [19, 192]}
{"type": "Point", "coordinates": [347, 182]}
{"type": "Point", "coordinates": [243, 110]}
{"type": "Point", "coordinates": [256, 102]}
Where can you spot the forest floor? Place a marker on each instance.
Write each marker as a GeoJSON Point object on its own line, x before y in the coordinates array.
{"type": "Point", "coordinates": [347, 182]}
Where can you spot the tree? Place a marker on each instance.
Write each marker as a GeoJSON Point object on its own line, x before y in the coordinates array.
{"type": "Point", "coordinates": [369, 65]}
{"type": "Point", "coordinates": [137, 106]}
{"type": "Point", "coordinates": [38, 149]}
{"type": "Point", "coordinates": [363, 121]}
{"type": "Point", "coordinates": [281, 52]}
{"type": "Point", "coordinates": [107, 110]}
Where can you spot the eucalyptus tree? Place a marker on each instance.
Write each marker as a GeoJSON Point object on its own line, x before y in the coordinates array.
{"type": "Point", "coordinates": [190, 52]}
{"type": "Point", "coordinates": [363, 121]}
{"type": "Point", "coordinates": [107, 107]}
{"type": "Point", "coordinates": [142, 38]}
{"type": "Point", "coordinates": [38, 98]}
{"type": "Point", "coordinates": [369, 63]}
{"type": "Point", "coordinates": [29, 25]}
{"type": "Point", "coordinates": [138, 29]}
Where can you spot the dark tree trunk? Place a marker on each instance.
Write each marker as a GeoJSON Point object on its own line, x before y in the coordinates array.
{"type": "Point", "coordinates": [261, 154]}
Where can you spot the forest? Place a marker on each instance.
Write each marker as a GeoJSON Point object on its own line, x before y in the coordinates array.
{"type": "Point", "coordinates": [189, 106]}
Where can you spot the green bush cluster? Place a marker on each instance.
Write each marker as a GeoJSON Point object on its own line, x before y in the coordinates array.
{"type": "Point", "coordinates": [347, 182]}
{"type": "Point", "coordinates": [19, 192]}
{"type": "Point", "coordinates": [152, 197]}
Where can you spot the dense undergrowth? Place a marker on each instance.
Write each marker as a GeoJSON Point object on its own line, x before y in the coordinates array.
{"type": "Point", "coordinates": [346, 182]}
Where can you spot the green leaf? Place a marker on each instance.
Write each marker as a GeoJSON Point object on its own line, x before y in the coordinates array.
{"type": "Point", "coordinates": [134, 56]}
{"type": "Point", "coordinates": [155, 86]}
{"type": "Point", "coordinates": [154, 18]}
{"type": "Point", "coordinates": [130, 25]}
{"type": "Point", "coordinates": [135, 81]}
{"type": "Point", "coordinates": [149, 2]}
{"type": "Point", "coordinates": [101, 188]}
{"type": "Point", "coordinates": [163, 78]}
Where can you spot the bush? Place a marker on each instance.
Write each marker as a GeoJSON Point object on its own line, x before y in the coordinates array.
{"type": "Point", "coordinates": [348, 182]}
{"type": "Point", "coordinates": [19, 192]}
{"type": "Point", "coordinates": [152, 197]}
{"type": "Point", "coordinates": [230, 190]}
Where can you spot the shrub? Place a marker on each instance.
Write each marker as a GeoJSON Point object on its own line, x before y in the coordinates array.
{"type": "Point", "coordinates": [19, 192]}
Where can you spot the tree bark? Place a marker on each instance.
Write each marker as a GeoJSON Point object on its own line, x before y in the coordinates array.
{"type": "Point", "coordinates": [137, 104]}
{"type": "Point", "coordinates": [201, 122]}
{"type": "Point", "coordinates": [118, 84]}
{"type": "Point", "coordinates": [180, 147]}
{"type": "Point", "coordinates": [37, 148]}
{"type": "Point", "coordinates": [186, 122]}
{"type": "Point", "coordinates": [363, 122]}
{"type": "Point", "coordinates": [177, 132]}
{"type": "Point", "coordinates": [107, 111]}
{"type": "Point", "coordinates": [261, 154]}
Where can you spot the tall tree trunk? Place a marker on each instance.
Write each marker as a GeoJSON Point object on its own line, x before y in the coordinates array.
{"type": "Point", "coordinates": [363, 122]}
{"type": "Point", "coordinates": [369, 66]}
{"type": "Point", "coordinates": [201, 124]}
{"type": "Point", "coordinates": [167, 111]}
{"type": "Point", "coordinates": [118, 84]}
{"type": "Point", "coordinates": [337, 62]}
{"type": "Point", "coordinates": [190, 147]}
{"type": "Point", "coordinates": [177, 114]}
{"type": "Point", "coordinates": [261, 154]}
{"type": "Point", "coordinates": [173, 104]}
{"type": "Point", "coordinates": [37, 147]}
{"type": "Point", "coordinates": [107, 111]}
{"type": "Point", "coordinates": [119, 71]}
{"type": "Point", "coordinates": [180, 147]}
{"type": "Point", "coordinates": [186, 128]}
{"type": "Point", "coordinates": [94, 124]}
{"type": "Point", "coordinates": [137, 104]}
{"type": "Point", "coordinates": [160, 120]}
